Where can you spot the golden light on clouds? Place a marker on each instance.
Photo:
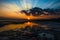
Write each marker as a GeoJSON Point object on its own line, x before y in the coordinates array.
{"type": "Point", "coordinates": [10, 7]}
{"type": "Point", "coordinates": [13, 11]}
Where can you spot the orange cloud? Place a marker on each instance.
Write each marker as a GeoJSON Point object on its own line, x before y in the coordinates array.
{"type": "Point", "coordinates": [13, 11]}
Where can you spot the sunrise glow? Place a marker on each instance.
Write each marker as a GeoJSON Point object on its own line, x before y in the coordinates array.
{"type": "Point", "coordinates": [13, 9]}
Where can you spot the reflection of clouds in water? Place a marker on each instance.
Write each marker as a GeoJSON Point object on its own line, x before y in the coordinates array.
{"type": "Point", "coordinates": [45, 25]}
{"type": "Point", "coordinates": [17, 26]}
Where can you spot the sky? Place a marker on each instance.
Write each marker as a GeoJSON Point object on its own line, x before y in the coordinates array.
{"type": "Point", "coordinates": [11, 8]}
{"type": "Point", "coordinates": [27, 4]}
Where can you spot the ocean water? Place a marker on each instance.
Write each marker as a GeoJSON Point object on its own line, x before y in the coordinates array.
{"type": "Point", "coordinates": [4, 26]}
{"type": "Point", "coordinates": [30, 30]}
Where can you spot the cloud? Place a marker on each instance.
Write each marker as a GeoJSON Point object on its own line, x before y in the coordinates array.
{"type": "Point", "coordinates": [10, 7]}
{"type": "Point", "coordinates": [10, 11]}
{"type": "Point", "coordinates": [13, 11]}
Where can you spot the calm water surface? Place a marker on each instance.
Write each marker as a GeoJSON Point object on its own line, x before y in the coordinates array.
{"type": "Point", "coordinates": [45, 25]}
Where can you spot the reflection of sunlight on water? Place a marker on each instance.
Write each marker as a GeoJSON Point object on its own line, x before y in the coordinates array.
{"type": "Point", "coordinates": [30, 24]}
{"type": "Point", "coordinates": [17, 26]}
{"type": "Point", "coordinates": [28, 18]}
